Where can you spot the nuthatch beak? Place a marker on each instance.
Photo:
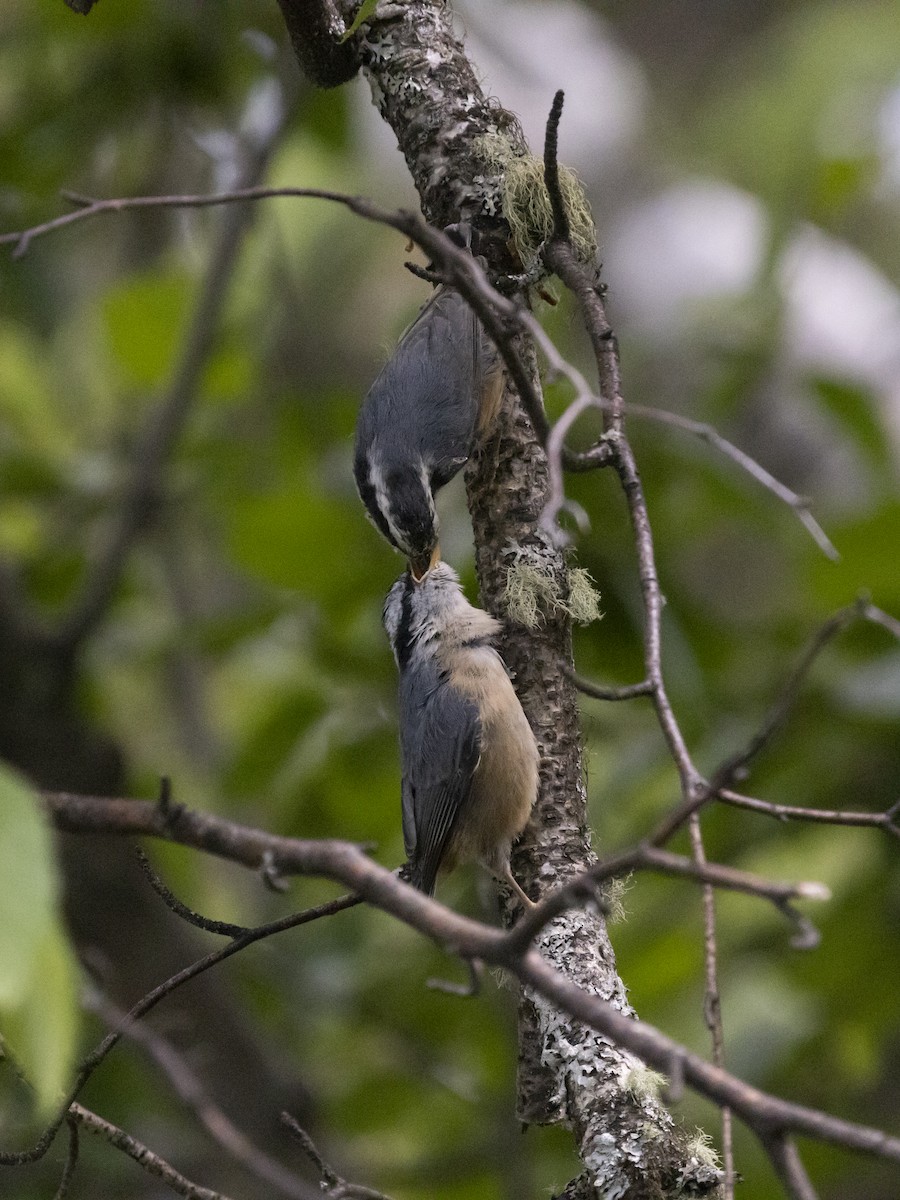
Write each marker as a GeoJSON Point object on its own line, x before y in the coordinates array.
{"type": "Point", "coordinates": [420, 565]}
{"type": "Point", "coordinates": [469, 757]}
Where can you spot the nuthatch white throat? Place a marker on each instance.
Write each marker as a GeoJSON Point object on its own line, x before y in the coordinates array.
{"type": "Point", "coordinates": [469, 757]}
{"type": "Point", "coordinates": [417, 424]}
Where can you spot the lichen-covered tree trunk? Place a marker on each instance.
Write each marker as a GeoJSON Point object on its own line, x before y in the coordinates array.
{"type": "Point", "coordinates": [426, 90]}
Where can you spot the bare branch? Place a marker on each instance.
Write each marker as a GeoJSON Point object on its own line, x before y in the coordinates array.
{"type": "Point", "coordinates": [468, 939]}
{"type": "Point", "coordinates": [153, 997]}
{"type": "Point", "coordinates": [316, 34]}
{"type": "Point", "coordinates": [551, 170]}
{"type": "Point", "coordinates": [735, 765]}
{"type": "Point", "coordinates": [152, 1163]}
{"type": "Point", "coordinates": [761, 1112]}
{"type": "Point", "coordinates": [494, 310]}
{"type": "Point", "coordinates": [190, 1091]}
{"type": "Point", "coordinates": [878, 617]}
{"type": "Point", "coordinates": [599, 692]}
{"type": "Point", "coordinates": [182, 910]}
{"type": "Point", "coordinates": [333, 1185]}
{"type": "Point", "coordinates": [144, 492]}
{"type": "Point", "coordinates": [464, 990]}
{"type": "Point", "coordinates": [704, 790]}
{"type": "Point", "coordinates": [71, 1160]}
{"type": "Point", "coordinates": [788, 812]}
{"type": "Point", "coordinates": [712, 1004]}
{"type": "Point", "coordinates": [708, 434]}
{"type": "Point", "coordinates": [243, 844]}
{"type": "Point", "coordinates": [785, 1158]}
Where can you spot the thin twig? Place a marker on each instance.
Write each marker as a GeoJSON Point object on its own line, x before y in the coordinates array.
{"type": "Point", "coordinates": [712, 1003]}
{"type": "Point", "coordinates": [459, 267]}
{"type": "Point", "coordinates": [495, 312]}
{"type": "Point", "coordinates": [598, 691]}
{"type": "Point", "coordinates": [734, 767]}
{"type": "Point", "coordinates": [90, 1063]}
{"type": "Point", "coordinates": [242, 844]}
{"type": "Point", "coordinates": [706, 790]}
{"type": "Point", "coordinates": [71, 1160]}
{"type": "Point", "coordinates": [190, 1091]}
{"type": "Point", "coordinates": [708, 434]}
{"type": "Point", "coordinates": [879, 617]}
{"type": "Point", "coordinates": [561, 229]}
{"type": "Point", "coordinates": [465, 990]}
{"type": "Point", "coordinates": [181, 909]}
{"type": "Point", "coordinates": [151, 1162]}
{"type": "Point", "coordinates": [647, 857]}
{"type": "Point", "coordinates": [888, 820]}
{"type": "Point", "coordinates": [333, 1185]}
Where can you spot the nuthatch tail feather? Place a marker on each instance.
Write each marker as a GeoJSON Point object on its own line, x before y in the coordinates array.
{"type": "Point", "coordinates": [469, 757]}
{"type": "Point", "coordinates": [419, 419]}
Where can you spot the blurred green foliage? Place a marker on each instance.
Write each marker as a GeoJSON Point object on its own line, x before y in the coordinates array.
{"type": "Point", "coordinates": [244, 655]}
{"type": "Point", "coordinates": [38, 1001]}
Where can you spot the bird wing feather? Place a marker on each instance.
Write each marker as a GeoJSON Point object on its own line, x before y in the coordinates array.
{"type": "Point", "coordinates": [440, 750]}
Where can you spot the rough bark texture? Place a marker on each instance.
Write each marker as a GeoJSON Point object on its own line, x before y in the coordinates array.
{"type": "Point", "coordinates": [425, 88]}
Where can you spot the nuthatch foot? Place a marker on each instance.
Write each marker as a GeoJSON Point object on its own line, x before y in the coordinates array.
{"type": "Point", "coordinates": [419, 419]}
{"type": "Point", "coordinates": [469, 757]}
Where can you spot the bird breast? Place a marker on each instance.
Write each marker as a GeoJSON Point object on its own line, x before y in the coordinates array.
{"type": "Point", "coordinates": [505, 783]}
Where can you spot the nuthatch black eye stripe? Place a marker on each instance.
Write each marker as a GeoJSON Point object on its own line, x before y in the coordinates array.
{"type": "Point", "coordinates": [469, 757]}
{"type": "Point", "coordinates": [404, 628]}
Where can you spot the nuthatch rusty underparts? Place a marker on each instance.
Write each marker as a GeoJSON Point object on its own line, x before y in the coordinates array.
{"type": "Point", "coordinates": [419, 419]}
{"type": "Point", "coordinates": [469, 757]}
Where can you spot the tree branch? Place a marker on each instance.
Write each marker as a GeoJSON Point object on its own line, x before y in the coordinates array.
{"type": "Point", "coordinates": [144, 493]}
{"type": "Point", "coordinates": [333, 1185]}
{"type": "Point", "coordinates": [316, 33]}
{"type": "Point", "coordinates": [152, 1163]}
{"type": "Point", "coordinates": [789, 1168]}
{"type": "Point", "coordinates": [189, 1089]}
{"type": "Point", "coordinates": [888, 821]}
{"type": "Point", "coordinates": [71, 1160]}
{"type": "Point", "coordinates": [468, 939]}
{"type": "Point", "coordinates": [153, 997]}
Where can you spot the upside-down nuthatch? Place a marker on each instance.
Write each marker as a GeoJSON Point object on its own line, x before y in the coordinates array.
{"type": "Point", "coordinates": [419, 419]}
{"type": "Point", "coordinates": [469, 757]}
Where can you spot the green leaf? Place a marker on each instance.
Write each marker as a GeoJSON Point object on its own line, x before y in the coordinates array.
{"type": "Point", "coordinates": [38, 1009]}
{"type": "Point", "coordinates": [145, 320]}
{"type": "Point", "coordinates": [868, 549]}
{"type": "Point", "coordinates": [366, 9]}
{"type": "Point", "coordinates": [857, 411]}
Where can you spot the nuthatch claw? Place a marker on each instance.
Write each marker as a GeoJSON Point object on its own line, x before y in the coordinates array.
{"type": "Point", "coordinates": [419, 419]}
{"type": "Point", "coordinates": [469, 757]}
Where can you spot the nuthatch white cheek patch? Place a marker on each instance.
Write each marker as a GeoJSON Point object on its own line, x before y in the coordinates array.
{"type": "Point", "coordinates": [469, 757]}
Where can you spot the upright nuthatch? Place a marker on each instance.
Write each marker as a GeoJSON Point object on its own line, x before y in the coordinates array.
{"type": "Point", "coordinates": [469, 757]}
{"type": "Point", "coordinates": [418, 421]}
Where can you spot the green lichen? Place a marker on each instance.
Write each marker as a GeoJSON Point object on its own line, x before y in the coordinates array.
{"type": "Point", "coordinates": [645, 1083]}
{"type": "Point", "coordinates": [613, 893]}
{"type": "Point", "coordinates": [526, 202]}
{"type": "Point", "coordinates": [531, 592]}
{"type": "Point", "coordinates": [700, 1147]}
{"type": "Point", "coordinates": [584, 599]}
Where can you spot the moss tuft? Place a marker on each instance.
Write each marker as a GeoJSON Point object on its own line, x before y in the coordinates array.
{"type": "Point", "coordinates": [526, 202]}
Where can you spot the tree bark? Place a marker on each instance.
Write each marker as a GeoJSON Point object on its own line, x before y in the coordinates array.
{"type": "Point", "coordinates": [425, 88]}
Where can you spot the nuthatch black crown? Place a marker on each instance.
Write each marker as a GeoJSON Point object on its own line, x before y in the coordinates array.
{"type": "Point", "coordinates": [469, 757]}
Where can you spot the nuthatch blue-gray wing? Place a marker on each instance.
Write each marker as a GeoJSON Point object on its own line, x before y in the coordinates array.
{"type": "Point", "coordinates": [469, 757]}
{"type": "Point", "coordinates": [418, 422]}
